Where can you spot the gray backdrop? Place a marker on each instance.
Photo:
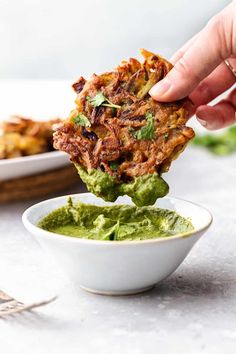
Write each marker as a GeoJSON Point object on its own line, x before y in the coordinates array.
{"type": "Point", "coordinates": [65, 38]}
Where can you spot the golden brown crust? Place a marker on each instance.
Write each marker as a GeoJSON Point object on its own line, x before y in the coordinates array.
{"type": "Point", "coordinates": [112, 136]}
{"type": "Point", "coordinates": [22, 137]}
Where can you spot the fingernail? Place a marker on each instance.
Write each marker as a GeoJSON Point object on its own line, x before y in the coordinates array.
{"type": "Point", "coordinates": [160, 88]}
{"type": "Point", "coordinates": [202, 122]}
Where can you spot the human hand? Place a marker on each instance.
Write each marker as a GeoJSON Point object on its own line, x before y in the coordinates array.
{"type": "Point", "coordinates": [201, 73]}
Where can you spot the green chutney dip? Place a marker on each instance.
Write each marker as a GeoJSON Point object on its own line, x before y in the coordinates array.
{"type": "Point", "coordinates": [143, 190]}
{"type": "Point", "coordinates": [114, 223]}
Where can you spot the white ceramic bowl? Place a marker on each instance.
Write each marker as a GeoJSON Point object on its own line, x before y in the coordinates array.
{"type": "Point", "coordinates": [118, 267]}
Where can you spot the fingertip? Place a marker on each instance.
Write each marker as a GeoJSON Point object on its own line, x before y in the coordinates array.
{"type": "Point", "coordinates": [202, 122]}
{"type": "Point", "coordinates": [174, 86]}
{"type": "Point", "coordinates": [206, 118]}
{"type": "Point", "coordinates": [216, 117]}
{"type": "Point", "coordinates": [160, 90]}
{"type": "Point", "coordinates": [167, 90]}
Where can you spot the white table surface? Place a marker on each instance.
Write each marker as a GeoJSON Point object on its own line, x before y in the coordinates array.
{"type": "Point", "coordinates": [193, 311]}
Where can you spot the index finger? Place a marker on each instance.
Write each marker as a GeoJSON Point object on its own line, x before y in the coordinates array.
{"type": "Point", "coordinates": [177, 55]}
{"type": "Point", "coordinates": [201, 58]}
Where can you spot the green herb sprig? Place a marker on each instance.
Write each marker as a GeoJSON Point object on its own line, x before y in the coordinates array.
{"type": "Point", "coordinates": [114, 165]}
{"type": "Point", "coordinates": [147, 132]}
{"type": "Point", "coordinates": [81, 120]}
{"type": "Point", "coordinates": [221, 144]}
{"type": "Point", "coordinates": [100, 100]}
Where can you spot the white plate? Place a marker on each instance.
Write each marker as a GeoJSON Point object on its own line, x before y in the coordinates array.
{"type": "Point", "coordinates": [30, 165]}
{"type": "Point", "coordinates": [40, 100]}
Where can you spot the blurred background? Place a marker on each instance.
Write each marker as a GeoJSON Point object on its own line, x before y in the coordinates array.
{"type": "Point", "coordinates": [62, 39]}
{"type": "Point", "coordinates": [47, 44]}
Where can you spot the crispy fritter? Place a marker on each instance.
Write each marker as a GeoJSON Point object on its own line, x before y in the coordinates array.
{"type": "Point", "coordinates": [117, 127]}
{"type": "Point", "coordinates": [22, 137]}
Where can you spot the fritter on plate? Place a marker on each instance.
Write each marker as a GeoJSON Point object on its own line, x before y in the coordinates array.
{"type": "Point", "coordinates": [22, 137]}
{"type": "Point", "coordinates": [119, 138]}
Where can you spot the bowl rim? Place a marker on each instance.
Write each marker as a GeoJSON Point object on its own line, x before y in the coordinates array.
{"type": "Point", "coordinates": [35, 229]}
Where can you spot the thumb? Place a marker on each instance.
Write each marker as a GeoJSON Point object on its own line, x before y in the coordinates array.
{"type": "Point", "coordinates": [213, 45]}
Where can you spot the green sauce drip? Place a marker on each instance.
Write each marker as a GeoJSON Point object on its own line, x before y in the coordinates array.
{"type": "Point", "coordinates": [143, 190]}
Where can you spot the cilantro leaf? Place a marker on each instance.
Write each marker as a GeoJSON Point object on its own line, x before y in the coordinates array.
{"type": "Point", "coordinates": [147, 132]}
{"type": "Point", "coordinates": [81, 120]}
{"type": "Point", "coordinates": [114, 165]}
{"type": "Point", "coordinates": [97, 100]}
{"type": "Point", "coordinates": [100, 100]}
{"type": "Point", "coordinates": [133, 132]}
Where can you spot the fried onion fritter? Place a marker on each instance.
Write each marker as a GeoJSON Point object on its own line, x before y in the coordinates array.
{"type": "Point", "coordinates": [22, 137]}
{"type": "Point", "coordinates": [118, 128]}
